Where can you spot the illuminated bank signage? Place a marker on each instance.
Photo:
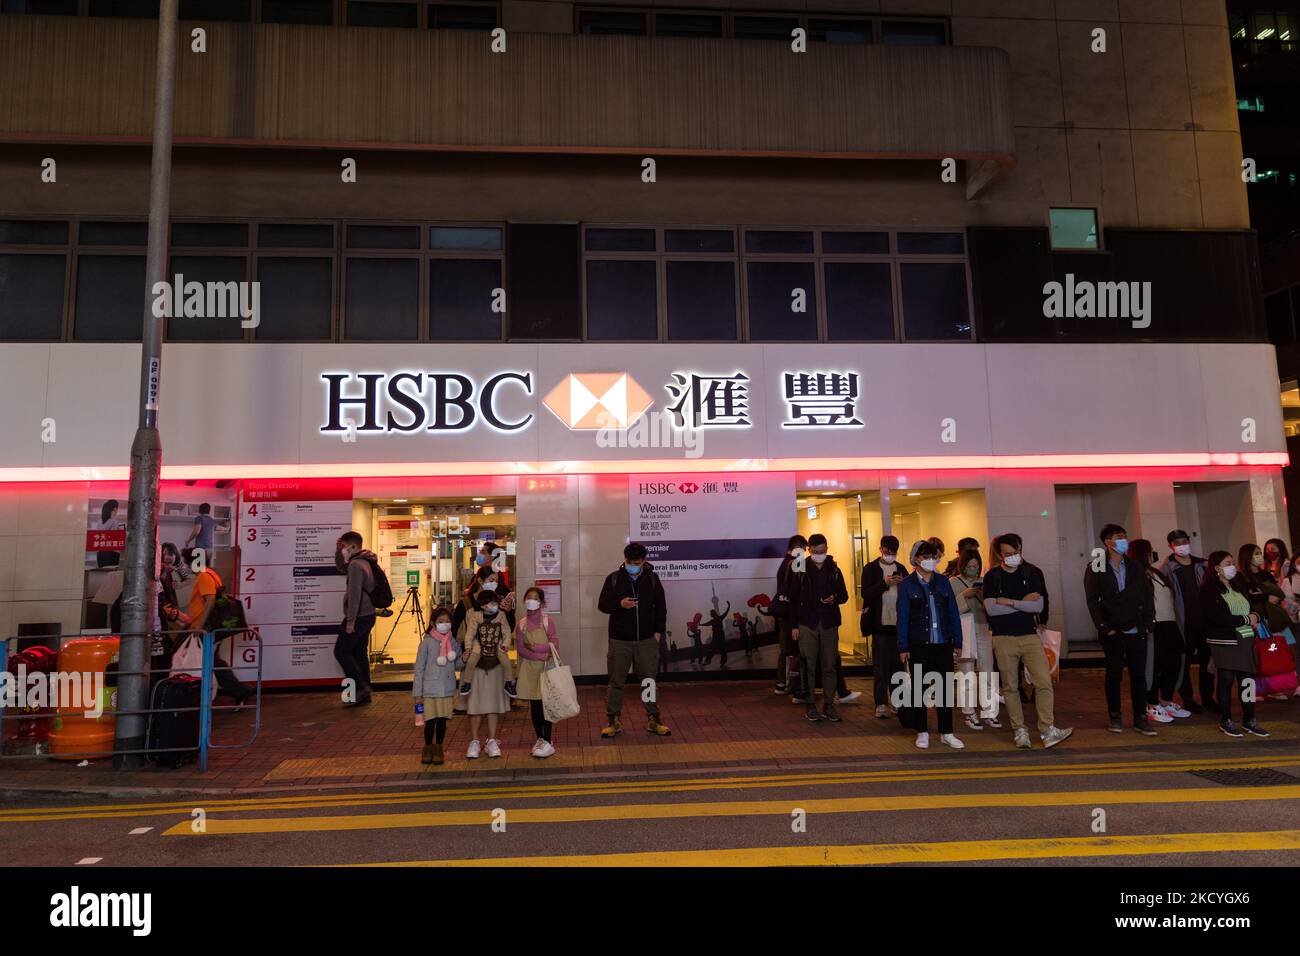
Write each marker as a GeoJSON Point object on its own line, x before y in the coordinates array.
{"type": "Point", "coordinates": [408, 402]}
{"type": "Point", "coordinates": [598, 400]}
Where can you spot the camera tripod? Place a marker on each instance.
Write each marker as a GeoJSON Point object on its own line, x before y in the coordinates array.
{"type": "Point", "coordinates": [412, 601]}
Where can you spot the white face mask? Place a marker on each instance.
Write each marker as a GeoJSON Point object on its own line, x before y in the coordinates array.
{"type": "Point", "coordinates": [1182, 550]}
{"type": "Point", "coordinates": [819, 558]}
{"type": "Point", "coordinates": [928, 564]}
{"type": "Point", "coordinates": [532, 604]}
{"type": "Point", "coordinates": [1013, 561]}
{"type": "Point", "coordinates": [489, 585]}
{"type": "Point", "coordinates": [1229, 572]}
{"type": "Point", "coordinates": [490, 610]}
{"type": "Point", "coordinates": [887, 559]}
{"type": "Point", "coordinates": [443, 626]}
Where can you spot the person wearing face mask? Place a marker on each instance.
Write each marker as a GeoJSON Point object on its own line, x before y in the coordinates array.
{"type": "Point", "coordinates": [485, 581]}
{"type": "Point", "coordinates": [879, 621]}
{"type": "Point", "coordinates": [787, 629]}
{"type": "Point", "coordinates": [483, 682]}
{"type": "Point", "coordinates": [929, 635]}
{"type": "Point", "coordinates": [434, 683]}
{"type": "Point", "coordinates": [1277, 559]}
{"type": "Point", "coordinates": [1290, 585]}
{"type": "Point", "coordinates": [818, 593]}
{"type": "Point", "coordinates": [534, 640]}
{"type": "Point", "coordinates": [1014, 597]}
{"type": "Point", "coordinates": [1165, 644]}
{"type": "Point", "coordinates": [352, 648]}
{"type": "Point", "coordinates": [954, 567]}
{"type": "Point", "coordinates": [1120, 602]}
{"type": "Point", "coordinates": [969, 588]}
{"type": "Point", "coordinates": [1267, 599]}
{"type": "Point", "coordinates": [633, 597]}
{"type": "Point", "coordinates": [1187, 571]}
{"type": "Point", "coordinates": [1230, 632]}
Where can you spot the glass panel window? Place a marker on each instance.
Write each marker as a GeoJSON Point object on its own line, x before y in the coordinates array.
{"type": "Point", "coordinates": [382, 301]}
{"type": "Point", "coordinates": [913, 33]}
{"type": "Point", "coordinates": [764, 28]}
{"type": "Point", "coordinates": [774, 241]}
{"type": "Point", "coordinates": [56, 8]}
{"type": "Point", "coordinates": [369, 13]}
{"type": "Point", "coordinates": [1263, 26]}
{"type": "Point", "coordinates": [699, 240]}
{"type": "Point", "coordinates": [855, 243]}
{"type": "Point", "coordinates": [297, 295]}
{"type": "Point", "coordinates": [839, 31]}
{"type": "Point", "coordinates": [460, 299]}
{"type": "Point", "coordinates": [31, 297]}
{"type": "Point", "coordinates": [232, 11]}
{"type": "Point", "coordinates": [124, 8]}
{"type": "Point", "coordinates": [295, 236]}
{"type": "Point", "coordinates": [317, 12]}
{"type": "Point", "coordinates": [114, 233]}
{"type": "Point", "coordinates": [688, 25]}
{"type": "Point", "coordinates": [456, 16]}
{"type": "Point", "coordinates": [224, 235]}
{"type": "Point", "coordinates": [773, 290]}
{"type": "Point", "coordinates": [620, 240]}
{"type": "Point", "coordinates": [1277, 317]}
{"type": "Point", "coordinates": [859, 302]}
{"type": "Point", "coordinates": [486, 239]}
{"type": "Point", "coordinates": [1073, 228]}
{"type": "Point", "coordinates": [622, 300]}
{"type": "Point", "coordinates": [612, 23]}
{"type": "Point", "coordinates": [225, 298]}
{"type": "Point", "coordinates": [934, 301]}
{"type": "Point", "coordinates": [1237, 26]}
{"type": "Point", "coordinates": [33, 232]}
{"type": "Point", "coordinates": [931, 243]}
{"type": "Point", "coordinates": [701, 298]}
{"type": "Point", "coordinates": [110, 298]}
{"type": "Point", "coordinates": [383, 237]}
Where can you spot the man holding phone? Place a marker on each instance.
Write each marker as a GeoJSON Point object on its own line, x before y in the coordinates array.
{"type": "Point", "coordinates": [880, 580]}
{"type": "Point", "coordinates": [633, 597]}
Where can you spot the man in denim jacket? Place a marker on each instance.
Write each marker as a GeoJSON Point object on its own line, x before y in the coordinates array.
{"type": "Point", "coordinates": [929, 633]}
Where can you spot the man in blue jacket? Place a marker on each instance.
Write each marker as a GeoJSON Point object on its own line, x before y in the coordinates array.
{"type": "Point", "coordinates": [929, 633]}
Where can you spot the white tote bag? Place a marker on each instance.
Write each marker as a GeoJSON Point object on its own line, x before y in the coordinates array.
{"type": "Point", "coordinates": [1052, 648]}
{"type": "Point", "coordinates": [559, 693]}
{"type": "Point", "coordinates": [188, 661]}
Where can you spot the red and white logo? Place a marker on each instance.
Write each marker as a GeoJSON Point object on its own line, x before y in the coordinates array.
{"type": "Point", "coordinates": [595, 400]}
{"type": "Point", "coordinates": [687, 487]}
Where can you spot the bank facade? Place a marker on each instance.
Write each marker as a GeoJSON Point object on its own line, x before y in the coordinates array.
{"type": "Point", "coordinates": [641, 274]}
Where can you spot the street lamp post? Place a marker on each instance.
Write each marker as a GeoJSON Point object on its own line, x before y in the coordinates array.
{"type": "Point", "coordinates": [139, 597]}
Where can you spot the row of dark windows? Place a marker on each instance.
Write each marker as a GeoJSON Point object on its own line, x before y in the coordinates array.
{"type": "Point", "coordinates": [828, 28]}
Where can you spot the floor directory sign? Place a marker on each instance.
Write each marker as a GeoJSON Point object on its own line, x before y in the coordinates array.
{"type": "Point", "coordinates": [287, 579]}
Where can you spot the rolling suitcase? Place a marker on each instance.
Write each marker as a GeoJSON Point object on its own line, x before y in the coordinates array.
{"type": "Point", "coordinates": [171, 728]}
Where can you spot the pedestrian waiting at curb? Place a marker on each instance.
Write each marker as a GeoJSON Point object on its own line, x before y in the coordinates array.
{"type": "Point", "coordinates": [880, 581]}
{"type": "Point", "coordinates": [483, 681]}
{"type": "Point", "coordinates": [929, 634]}
{"type": "Point", "coordinates": [534, 640]}
{"type": "Point", "coordinates": [633, 597]}
{"type": "Point", "coordinates": [818, 593]}
{"type": "Point", "coordinates": [1165, 648]}
{"type": "Point", "coordinates": [1120, 602]}
{"type": "Point", "coordinates": [434, 684]}
{"type": "Point", "coordinates": [1230, 633]}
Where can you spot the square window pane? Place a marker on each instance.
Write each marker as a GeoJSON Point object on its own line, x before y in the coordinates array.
{"type": "Point", "coordinates": [460, 299]}
{"type": "Point", "coordinates": [859, 302]}
{"type": "Point", "coordinates": [124, 8]}
{"type": "Point", "coordinates": [114, 233]}
{"type": "Point", "coordinates": [110, 298]}
{"type": "Point", "coordinates": [1237, 26]}
{"type": "Point", "coordinates": [913, 33]}
{"type": "Point", "coordinates": [687, 25]}
{"type": "Point", "coordinates": [61, 8]}
{"type": "Point", "coordinates": [382, 300]}
{"type": "Point", "coordinates": [620, 240]}
{"type": "Point", "coordinates": [839, 31]}
{"type": "Point", "coordinates": [699, 240]}
{"type": "Point", "coordinates": [33, 232]}
{"type": "Point", "coordinates": [855, 243]}
{"type": "Point", "coordinates": [316, 12]}
{"type": "Point", "coordinates": [931, 243]}
{"type": "Point", "coordinates": [297, 295]}
{"type": "Point", "coordinates": [31, 297]}
{"type": "Point", "coordinates": [210, 326]}
{"type": "Point", "coordinates": [227, 235]}
{"type": "Point", "coordinates": [367, 13]}
{"type": "Point", "coordinates": [701, 300]}
{"type": "Point", "coordinates": [293, 235]}
{"type": "Point", "coordinates": [934, 301]}
{"type": "Point", "coordinates": [772, 288]}
{"type": "Point", "coordinates": [767, 240]}
{"type": "Point", "coordinates": [465, 237]}
{"type": "Point", "coordinates": [621, 300]}
{"type": "Point", "coordinates": [1073, 228]}
{"type": "Point", "coordinates": [611, 23]}
{"type": "Point", "coordinates": [764, 28]}
{"type": "Point", "coordinates": [383, 237]}
{"type": "Point", "coordinates": [1263, 26]}
{"type": "Point", "coordinates": [234, 11]}
{"type": "Point", "coordinates": [453, 16]}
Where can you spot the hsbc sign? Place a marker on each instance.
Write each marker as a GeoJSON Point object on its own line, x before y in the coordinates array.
{"type": "Point", "coordinates": [383, 402]}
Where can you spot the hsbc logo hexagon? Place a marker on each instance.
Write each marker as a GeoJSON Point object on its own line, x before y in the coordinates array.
{"type": "Point", "coordinates": [587, 401]}
{"type": "Point", "coordinates": [687, 487]}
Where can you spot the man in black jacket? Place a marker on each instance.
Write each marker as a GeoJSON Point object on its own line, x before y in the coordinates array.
{"type": "Point", "coordinates": [633, 597]}
{"type": "Point", "coordinates": [818, 593]}
{"type": "Point", "coordinates": [1123, 608]}
{"type": "Point", "coordinates": [880, 580]}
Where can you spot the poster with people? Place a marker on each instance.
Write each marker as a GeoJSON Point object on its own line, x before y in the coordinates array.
{"type": "Point", "coordinates": [718, 565]}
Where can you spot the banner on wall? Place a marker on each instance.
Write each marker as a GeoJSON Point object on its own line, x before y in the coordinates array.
{"type": "Point", "coordinates": [716, 541]}
{"type": "Point", "coordinates": [287, 579]}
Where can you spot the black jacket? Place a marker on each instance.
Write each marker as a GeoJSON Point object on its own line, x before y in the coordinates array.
{"type": "Point", "coordinates": [802, 599]}
{"type": "Point", "coordinates": [1113, 609]}
{"type": "Point", "coordinates": [874, 590]}
{"type": "Point", "coordinates": [648, 618]}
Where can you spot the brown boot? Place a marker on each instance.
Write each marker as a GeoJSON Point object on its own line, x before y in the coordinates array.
{"type": "Point", "coordinates": [426, 755]}
{"type": "Point", "coordinates": [437, 753]}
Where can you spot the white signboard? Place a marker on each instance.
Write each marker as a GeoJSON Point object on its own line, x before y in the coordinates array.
{"type": "Point", "coordinates": [548, 557]}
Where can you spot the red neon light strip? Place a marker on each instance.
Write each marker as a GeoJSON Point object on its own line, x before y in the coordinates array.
{"type": "Point", "coordinates": [652, 466]}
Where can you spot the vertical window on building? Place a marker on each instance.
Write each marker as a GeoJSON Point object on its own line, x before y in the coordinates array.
{"type": "Point", "coordinates": [233, 11]}
{"type": "Point", "coordinates": [109, 298]}
{"type": "Point", "coordinates": [222, 301]}
{"type": "Point", "coordinates": [935, 305]}
{"type": "Point", "coordinates": [312, 12]}
{"type": "Point", "coordinates": [544, 268]}
{"type": "Point", "coordinates": [913, 33]}
{"type": "Point", "coordinates": [1237, 26]}
{"type": "Point", "coordinates": [1263, 26]}
{"type": "Point", "coordinates": [612, 23]}
{"type": "Point", "coordinates": [382, 13]}
{"type": "Point", "coordinates": [381, 299]}
{"type": "Point", "coordinates": [688, 25]}
{"type": "Point", "coordinates": [1073, 229]}
{"type": "Point", "coordinates": [780, 294]}
{"type": "Point", "coordinates": [461, 296]}
{"type": "Point", "coordinates": [700, 297]}
{"type": "Point", "coordinates": [31, 296]}
{"type": "Point", "coordinates": [297, 298]}
{"type": "Point", "coordinates": [461, 16]}
{"type": "Point", "coordinates": [859, 301]}
{"type": "Point", "coordinates": [763, 28]}
{"type": "Point", "coordinates": [621, 284]}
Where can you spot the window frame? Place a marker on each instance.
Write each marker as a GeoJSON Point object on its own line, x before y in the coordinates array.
{"type": "Point", "coordinates": [1096, 215]}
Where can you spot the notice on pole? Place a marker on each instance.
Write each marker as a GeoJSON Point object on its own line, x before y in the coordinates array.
{"type": "Point", "coordinates": [548, 557]}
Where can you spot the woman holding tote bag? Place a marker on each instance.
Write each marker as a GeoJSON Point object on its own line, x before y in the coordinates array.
{"type": "Point", "coordinates": [534, 639]}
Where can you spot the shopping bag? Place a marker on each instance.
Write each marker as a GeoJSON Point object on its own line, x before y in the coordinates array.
{"type": "Point", "coordinates": [188, 660]}
{"type": "Point", "coordinates": [1274, 656]}
{"type": "Point", "coordinates": [968, 650]}
{"type": "Point", "coordinates": [1052, 648]}
{"type": "Point", "coordinates": [559, 693]}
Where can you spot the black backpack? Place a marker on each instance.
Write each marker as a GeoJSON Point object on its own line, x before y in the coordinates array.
{"type": "Point", "coordinates": [382, 595]}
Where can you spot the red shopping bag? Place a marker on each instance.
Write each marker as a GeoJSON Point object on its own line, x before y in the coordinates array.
{"type": "Point", "coordinates": [1274, 656]}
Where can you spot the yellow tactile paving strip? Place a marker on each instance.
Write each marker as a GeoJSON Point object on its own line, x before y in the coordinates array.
{"type": "Point", "coordinates": [615, 754]}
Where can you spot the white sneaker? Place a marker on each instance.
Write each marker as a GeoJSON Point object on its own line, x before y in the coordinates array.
{"type": "Point", "coordinates": [850, 697]}
{"type": "Point", "coordinates": [1173, 710]}
{"type": "Point", "coordinates": [473, 751]}
{"type": "Point", "coordinates": [493, 748]}
{"type": "Point", "coordinates": [923, 741]}
{"type": "Point", "coordinates": [1022, 739]}
{"type": "Point", "coordinates": [952, 741]}
{"type": "Point", "coordinates": [536, 747]}
{"type": "Point", "coordinates": [544, 749]}
{"type": "Point", "coordinates": [1157, 713]}
{"type": "Point", "coordinates": [1055, 735]}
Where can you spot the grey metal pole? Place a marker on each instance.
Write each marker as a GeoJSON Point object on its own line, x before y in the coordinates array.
{"type": "Point", "coordinates": [139, 597]}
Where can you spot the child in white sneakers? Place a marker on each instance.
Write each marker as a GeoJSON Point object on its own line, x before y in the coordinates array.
{"type": "Point", "coordinates": [483, 682]}
{"type": "Point", "coordinates": [534, 638]}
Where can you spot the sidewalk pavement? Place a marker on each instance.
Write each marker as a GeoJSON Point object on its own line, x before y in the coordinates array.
{"type": "Point", "coordinates": [310, 741]}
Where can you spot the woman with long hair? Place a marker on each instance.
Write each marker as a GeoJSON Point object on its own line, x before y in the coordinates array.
{"type": "Point", "coordinates": [1277, 559]}
{"type": "Point", "coordinates": [1165, 647]}
{"type": "Point", "coordinates": [969, 587]}
{"type": "Point", "coordinates": [1230, 633]}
